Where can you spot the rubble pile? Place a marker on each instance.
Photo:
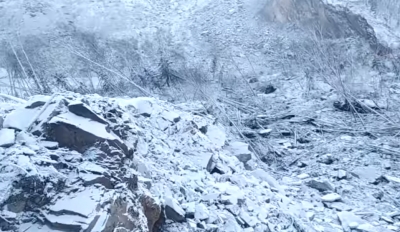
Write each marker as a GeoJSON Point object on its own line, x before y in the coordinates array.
{"type": "Point", "coordinates": [74, 162]}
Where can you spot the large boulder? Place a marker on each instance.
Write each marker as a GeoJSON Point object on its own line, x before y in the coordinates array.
{"type": "Point", "coordinates": [173, 210]}
{"type": "Point", "coordinates": [79, 133]}
{"type": "Point", "coordinates": [153, 212]}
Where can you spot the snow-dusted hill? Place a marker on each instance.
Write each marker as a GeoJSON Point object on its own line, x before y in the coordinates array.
{"type": "Point", "coordinates": [284, 115]}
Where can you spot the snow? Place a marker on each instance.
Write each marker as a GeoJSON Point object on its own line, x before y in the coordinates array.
{"type": "Point", "coordinates": [201, 212]}
{"type": "Point", "coordinates": [143, 105]}
{"type": "Point", "coordinates": [216, 136]}
{"type": "Point", "coordinates": [83, 203]}
{"type": "Point", "coordinates": [331, 197]}
{"type": "Point", "coordinates": [38, 98]}
{"type": "Point", "coordinates": [170, 163]}
{"type": "Point", "coordinates": [7, 137]}
{"type": "Point", "coordinates": [69, 220]}
{"type": "Point", "coordinates": [91, 167]}
{"type": "Point", "coordinates": [101, 221]}
{"type": "Point", "coordinates": [20, 118]}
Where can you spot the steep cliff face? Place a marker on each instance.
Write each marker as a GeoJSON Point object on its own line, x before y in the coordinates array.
{"type": "Point", "coordinates": [324, 19]}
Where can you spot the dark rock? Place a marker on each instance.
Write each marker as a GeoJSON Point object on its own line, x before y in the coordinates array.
{"type": "Point", "coordinates": [122, 214]}
{"type": "Point", "coordinates": [265, 132]}
{"type": "Point", "coordinates": [216, 165]}
{"type": "Point", "coordinates": [201, 225]}
{"type": "Point", "coordinates": [61, 165]}
{"type": "Point", "coordinates": [203, 129]}
{"type": "Point", "coordinates": [121, 131]}
{"type": "Point", "coordinates": [171, 116]}
{"type": "Point", "coordinates": [387, 166]}
{"type": "Point", "coordinates": [286, 133]}
{"type": "Point", "coordinates": [380, 180]}
{"type": "Point", "coordinates": [83, 110]}
{"type": "Point", "coordinates": [240, 151]}
{"type": "Point", "coordinates": [251, 165]}
{"type": "Point", "coordinates": [326, 159]}
{"type": "Point", "coordinates": [54, 157]}
{"type": "Point", "coordinates": [249, 134]}
{"type": "Point", "coordinates": [35, 104]}
{"type": "Point", "coordinates": [303, 140]}
{"type": "Point", "coordinates": [233, 209]}
{"type": "Point", "coordinates": [132, 182]}
{"type": "Point", "coordinates": [31, 193]}
{"type": "Point", "coordinates": [301, 165]}
{"type": "Point", "coordinates": [73, 137]}
{"type": "Point", "coordinates": [288, 117]}
{"type": "Point", "coordinates": [322, 186]}
{"type": "Point", "coordinates": [153, 213]}
{"type": "Point", "coordinates": [49, 145]}
{"type": "Point", "coordinates": [268, 89]}
{"type": "Point", "coordinates": [8, 221]}
{"type": "Point", "coordinates": [341, 175]}
{"type": "Point", "coordinates": [354, 107]}
{"type": "Point", "coordinates": [105, 181]}
{"type": "Point", "coordinates": [174, 211]}
{"type": "Point", "coordinates": [253, 80]}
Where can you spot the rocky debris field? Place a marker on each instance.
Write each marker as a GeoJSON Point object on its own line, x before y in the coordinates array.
{"type": "Point", "coordinates": [87, 163]}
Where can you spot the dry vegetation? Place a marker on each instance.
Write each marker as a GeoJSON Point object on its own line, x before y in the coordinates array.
{"type": "Point", "coordinates": [86, 63]}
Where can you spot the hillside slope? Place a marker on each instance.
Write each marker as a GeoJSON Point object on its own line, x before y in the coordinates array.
{"type": "Point", "coordinates": [200, 115]}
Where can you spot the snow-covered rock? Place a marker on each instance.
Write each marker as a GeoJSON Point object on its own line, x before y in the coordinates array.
{"type": "Point", "coordinates": [7, 137]}
{"type": "Point", "coordinates": [241, 151]}
{"type": "Point", "coordinates": [173, 210]}
{"type": "Point", "coordinates": [174, 176]}
{"type": "Point", "coordinates": [331, 197]}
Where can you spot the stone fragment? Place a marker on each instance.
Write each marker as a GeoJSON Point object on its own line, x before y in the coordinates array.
{"type": "Point", "coordinates": [171, 116]}
{"type": "Point", "coordinates": [265, 132]}
{"type": "Point", "coordinates": [240, 150]}
{"type": "Point", "coordinates": [201, 212]}
{"type": "Point", "coordinates": [326, 159]}
{"type": "Point", "coordinates": [80, 133]}
{"type": "Point", "coordinates": [322, 186]}
{"type": "Point", "coordinates": [173, 210]}
{"type": "Point", "coordinates": [303, 176]}
{"type": "Point", "coordinates": [341, 175]}
{"type": "Point", "coordinates": [249, 221]}
{"type": "Point", "coordinates": [264, 176]}
{"type": "Point", "coordinates": [153, 212]}
{"type": "Point", "coordinates": [331, 197]}
{"type": "Point", "coordinates": [217, 165]}
{"type": "Point", "coordinates": [83, 110]}
{"type": "Point", "coordinates": [190, 209]}
{"type": "Point", "coordinates": [7, 137]}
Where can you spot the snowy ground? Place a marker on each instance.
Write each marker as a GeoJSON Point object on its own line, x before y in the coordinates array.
{"type": "Point", "coordinates": [327, 179]}
{"type": "Point", "coordinates": [301, 164]}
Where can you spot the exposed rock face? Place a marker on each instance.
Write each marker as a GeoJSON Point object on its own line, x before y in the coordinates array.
{"type": "Point", "coordinates": [153, 213]}
{"type": "Point", "coordinates": [81, 109]}
{"type": "Point", "coordinates": [80, 137]}
{"type": "Point", "coordinates": [327, 20]}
